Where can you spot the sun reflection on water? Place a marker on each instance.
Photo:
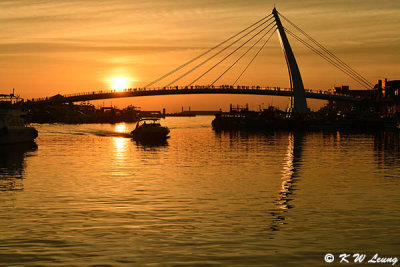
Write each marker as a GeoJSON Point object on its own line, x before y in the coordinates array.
{"type": "Point", "coordinates": [121, 146]}
{"type": "Point", "coordinates": [120, 128]}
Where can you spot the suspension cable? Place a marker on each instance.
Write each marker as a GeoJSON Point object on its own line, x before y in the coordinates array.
{"type": "Point", "coordinates": [251, 61]}
{"type": "Point", "coordinates": [338, 66]}
{"type": "Point", "coordinates": [208, 51]}
{"type": "Point", "coordinates": [357, 79]}
{"type": "Point", "coordinates": [248, 50]}
{"type": "Point", "coordinates": [350, 69]}
{"type": "Point", "coordinates": [205, 61]}
{"type": "Point", "coordinates": [231, 53]}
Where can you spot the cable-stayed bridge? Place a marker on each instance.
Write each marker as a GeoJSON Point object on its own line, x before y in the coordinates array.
{"type": "Point", "coordinates": [237, 90]}
{"type": "Point", "coordinates": [252, 39]}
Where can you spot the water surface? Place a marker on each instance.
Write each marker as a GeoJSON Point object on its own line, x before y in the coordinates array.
{"type": "Point", "coordinates": [88, 195]}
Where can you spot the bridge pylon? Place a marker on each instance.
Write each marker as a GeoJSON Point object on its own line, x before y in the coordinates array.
{"type": "Point", "coordinates": [298, 100]}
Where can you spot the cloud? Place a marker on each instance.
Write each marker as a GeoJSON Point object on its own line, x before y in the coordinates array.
{"type": "Point", "coordinates": [100, 34]}
{"type": "Point", "coordinates": [33, 48]}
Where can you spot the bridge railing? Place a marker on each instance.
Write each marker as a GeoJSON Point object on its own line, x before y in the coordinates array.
{"type": "Point", "coordinates": [194, 87]}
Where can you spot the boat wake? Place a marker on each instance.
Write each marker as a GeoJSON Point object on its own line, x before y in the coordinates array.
{"type": "Point", "coordinates": [101, 133]}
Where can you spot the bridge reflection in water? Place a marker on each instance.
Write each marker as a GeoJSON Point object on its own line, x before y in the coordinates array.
{"type": "Point", "coordinates": [289, 178]}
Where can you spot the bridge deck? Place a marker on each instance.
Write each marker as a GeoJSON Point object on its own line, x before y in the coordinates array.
{"type": "Point", "coordinates": [242, 90]}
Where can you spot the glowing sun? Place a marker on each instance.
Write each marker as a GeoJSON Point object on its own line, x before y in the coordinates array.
{"type": "Point", "coordinates": [119, 83]}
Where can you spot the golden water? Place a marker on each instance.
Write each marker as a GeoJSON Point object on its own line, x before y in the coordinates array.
{"type": "Point", "coordinates": [88, 196]}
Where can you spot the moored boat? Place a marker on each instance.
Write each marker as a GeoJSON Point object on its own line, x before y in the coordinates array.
{"type": "Point", "coordinates": [13, 129]}
{"type": "Point", "coordinates": [149, 129]}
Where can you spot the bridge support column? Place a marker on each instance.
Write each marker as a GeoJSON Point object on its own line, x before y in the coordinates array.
{"type": "Point", "coordinates": [298, 100]}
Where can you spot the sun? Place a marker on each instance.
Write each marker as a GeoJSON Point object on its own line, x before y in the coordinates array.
{"type": "Point", "coordinates": [119, 83]}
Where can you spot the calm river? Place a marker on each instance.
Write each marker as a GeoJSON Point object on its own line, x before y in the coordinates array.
{"type": "Point", "coordinates": [90, 196]}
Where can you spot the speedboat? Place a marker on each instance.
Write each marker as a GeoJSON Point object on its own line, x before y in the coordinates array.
{"type": "Point", "coordinates": [150, 129]}
{"type": "Point", "coordinates": [13, 129]}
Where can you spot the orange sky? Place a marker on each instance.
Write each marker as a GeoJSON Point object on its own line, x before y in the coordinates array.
{"type": "Point", "coordinates": [50, 47]}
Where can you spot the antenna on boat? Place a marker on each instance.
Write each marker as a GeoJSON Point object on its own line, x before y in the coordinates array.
{"type": "Point", "coordinates": [13, 93]}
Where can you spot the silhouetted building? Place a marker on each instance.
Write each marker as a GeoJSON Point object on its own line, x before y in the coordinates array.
{"type": "Point", "coordinates": [345, 89]}
{"type": "Point", "coordinates": [388, 95]}
{"type": "Point", "coordinates": [388, 89]}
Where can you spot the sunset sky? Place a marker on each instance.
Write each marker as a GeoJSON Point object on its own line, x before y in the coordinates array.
{"type": "Point", "coordinates": [51, 47]}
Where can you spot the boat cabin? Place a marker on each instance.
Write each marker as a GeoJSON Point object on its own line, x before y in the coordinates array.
{"type": "Point", "coordinates": [148, 122]}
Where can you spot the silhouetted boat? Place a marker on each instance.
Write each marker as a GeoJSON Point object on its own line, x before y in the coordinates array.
{"type": "Point", "coordinates": [12, 124]}
{"type": "Point", "coordinates": [274, 119]}
{"type": "Point", "coordinates": [149, 129]}
{"type": "Point", "coordinates": [239, 118]}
